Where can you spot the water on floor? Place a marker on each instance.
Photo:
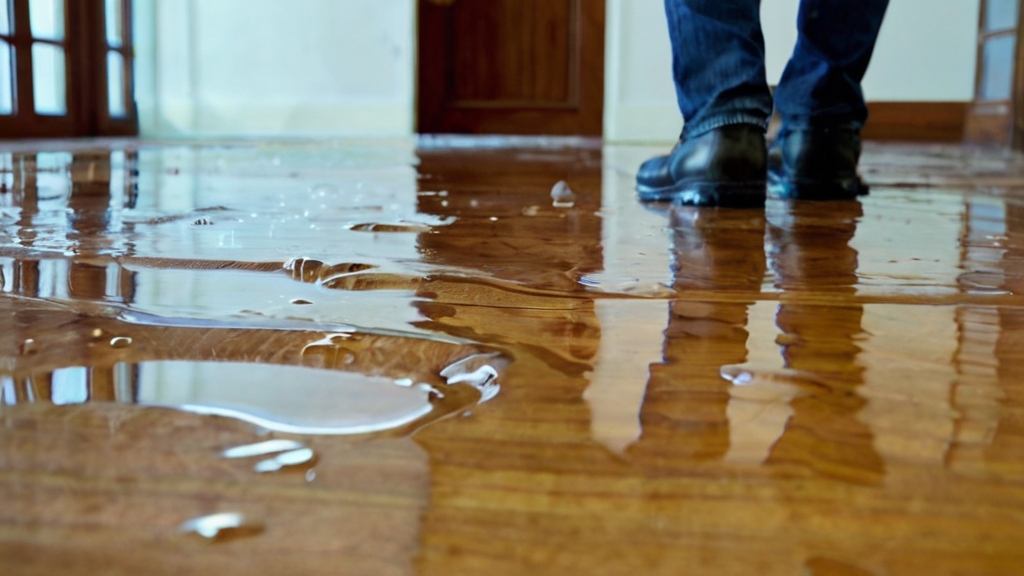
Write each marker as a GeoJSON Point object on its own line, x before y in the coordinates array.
{"type": "Point", "coordinates": [485, 356]}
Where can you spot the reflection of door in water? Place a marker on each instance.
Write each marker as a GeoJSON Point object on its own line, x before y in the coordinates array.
{"type": "Point", "coordinates": [66, 69]}
{"type": "Point", "coordinates": [511, 66]}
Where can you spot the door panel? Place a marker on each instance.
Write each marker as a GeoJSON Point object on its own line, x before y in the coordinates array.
{"type": "Point", "coordinates": [511, 66]}
{"type": "Point", "coordinates": [992, 115]}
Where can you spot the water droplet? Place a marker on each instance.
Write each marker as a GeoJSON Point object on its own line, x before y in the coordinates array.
{"type": "Point", "coordinates": [28, 347]}
{"type": "Point", "coordinates": [300, 302]}
{"type": "Point", "coordinates": [120, 342]}
{"type": "Point", "coordinates": [562, 196]}
{"type": "Point", "coordinates": [405, 382]}
{"type": "Point", "coordinates": [476, 370]}
{"type": "Point", "coordinates": [262, 448]}
{"type": "Point", "coordinates": [286, 460]}
{"type": "Point", "coordinates": [97, 333]}
{"type": "Point", "coordinates": [310, 475]}
{"type": "Point", "coordinates": [222, 526]}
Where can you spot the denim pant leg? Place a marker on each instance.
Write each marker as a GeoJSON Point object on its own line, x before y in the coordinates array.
{"type": "Point", "coordinates": [718, 63]}
{"type": "Point", "coordinates": [821, 83]}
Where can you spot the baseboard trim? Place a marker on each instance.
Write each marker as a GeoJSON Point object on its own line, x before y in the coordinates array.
{"type": "Point", "coordinates": [916, 121]}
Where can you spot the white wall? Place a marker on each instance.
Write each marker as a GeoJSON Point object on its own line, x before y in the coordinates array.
{"type": "Point", "coordinates": [925, 52]}
{"type": "Point", "coordinates": [347, 67]}
{"type": "Point", "coordinates": [268, 67]}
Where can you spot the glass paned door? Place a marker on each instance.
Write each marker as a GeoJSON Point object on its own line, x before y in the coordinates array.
{"type": "Point", "coordinates": [992, 115]}
{"type": "Point", "coordinates": [65, 68]}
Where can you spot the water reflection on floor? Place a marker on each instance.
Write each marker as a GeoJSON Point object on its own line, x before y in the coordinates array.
{"type": "Point", "coordinates": [372, 358]}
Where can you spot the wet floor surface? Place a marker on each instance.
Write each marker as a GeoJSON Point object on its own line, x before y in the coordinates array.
{"type": "Point", "coordinates": [459, 357]}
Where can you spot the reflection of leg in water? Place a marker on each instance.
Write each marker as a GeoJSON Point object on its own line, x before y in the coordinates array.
{"type": "Point", "coordinates": [810, 251]}
{"type": "Point", "coordinates": [684, 409]}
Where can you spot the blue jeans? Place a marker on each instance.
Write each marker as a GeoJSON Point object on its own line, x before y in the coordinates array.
{"type": "Point", "coordinates": [718, 63]}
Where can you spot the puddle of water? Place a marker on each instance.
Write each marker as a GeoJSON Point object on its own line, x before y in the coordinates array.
{"type": "Point", "coordinates": [278, 398]}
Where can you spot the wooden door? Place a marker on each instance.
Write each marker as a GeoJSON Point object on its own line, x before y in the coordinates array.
{"type": "Point", "coordinates": [995, 115]}
{"type": "Point", "coordinates": [511, 66]}
{"type": "Point", "coordinates": [66, 68]}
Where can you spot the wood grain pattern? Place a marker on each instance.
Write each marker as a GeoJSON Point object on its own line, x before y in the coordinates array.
{"type": "Point", "coordinates": [823, 388]}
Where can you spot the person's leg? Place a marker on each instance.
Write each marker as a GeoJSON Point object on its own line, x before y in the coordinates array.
{"type": "Point", "coordinates": [719, 71]}
{"type": "Point", "coordinates": [718, 63]}
{"type": "Point", "coordinates": [821, 101]}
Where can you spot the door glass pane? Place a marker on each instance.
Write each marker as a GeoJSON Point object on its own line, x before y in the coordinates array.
{"type": "Point", "coordinates": [1000, 15]}
{"type": "Point", "coordinates": [5, 16]}
{"type": "Point", "coordinates": [48, 79]}
{"type": "Point", "coordinates": [46, 18]}
{"type": "Point", "coordinates": [6, 86]}
{"type": "Point", "coordinates": [114, 16]}
{"type": "Point", "coordinates": [115, 84]}
{"type": "Point", "coordinates": [997, 68]}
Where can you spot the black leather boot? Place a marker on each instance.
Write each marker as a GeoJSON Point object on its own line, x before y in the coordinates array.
{"type": "Point", "coordinates": [724, 167]}
{"type": "Point", "coordinates": [816, 164]}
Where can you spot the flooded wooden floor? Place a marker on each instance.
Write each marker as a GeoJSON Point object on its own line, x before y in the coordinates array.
{"type": "Point", "coordinates": [372, 358]}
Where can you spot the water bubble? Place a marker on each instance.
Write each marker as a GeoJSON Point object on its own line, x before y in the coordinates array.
{"type": "Point", "coordinates": [286, 460]}
{"type": "Point", "coordinates": [493, 218]}
{"type": "Point", "coordinates": [221, 526]}
{"type": "Point", "coordinates": [120, 342]}
{"type": "Point", "coordinates": [562, 196]}
{"type": "Point", "coordinates": [97, 333]}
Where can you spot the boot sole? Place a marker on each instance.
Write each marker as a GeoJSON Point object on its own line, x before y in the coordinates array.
{"type": "Point", "coordinates": [726, 195]}
{"type": "Point", "coordinates": [843, 189]}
